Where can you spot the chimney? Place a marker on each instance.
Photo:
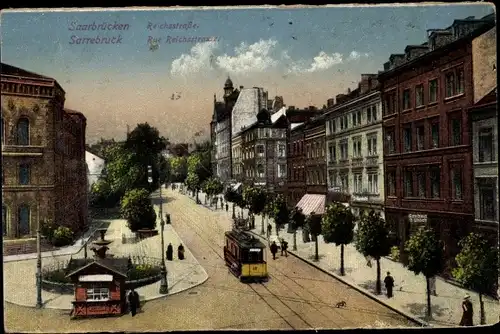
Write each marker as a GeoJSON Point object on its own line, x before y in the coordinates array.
{"type": "Point", "coordinates": [341, 98]}
{"type": "Point", "coordinates": [330, 102]}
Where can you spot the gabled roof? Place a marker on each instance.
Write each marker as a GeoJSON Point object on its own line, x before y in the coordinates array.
{"type": "Point", "coordinates": [115, 265]}
{"type": "Point", "coordinates": [277, 115]}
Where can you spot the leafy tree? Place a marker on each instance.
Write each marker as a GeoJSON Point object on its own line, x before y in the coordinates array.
{"type": "Point", "coordinates": [372, 240]}
{"type": "Point", "coordinates": [199, 164]}
{"type": "Point", "coordinates": [298, 219]}
{"type": "Point", "coordinates": [477, 267]}
{"type": "Point", "coordinates": [231, 196]}
{"type": "Point", "coordinates": [280, 212]}
{"type": "Point", "coordinates": [165, 173]}
{"type": "Point", "coordinates": [137, 209]}
{"type": "Point", "coordinates": [193, 182]}
{"type": "Point", "coordinates": [145, 141]}
{"type": "Point", "coordinates": [256, 199]}
{"type": "Point", "coordinates": [62, 236]}
{"type": "Point", "coordinates": [178, 167]}
{"type": "Point", "coordinates": [313, 221]}
{"type": "Point", "coordinates": [338, 226]}
{"type": "Point", "coordinates": [101, 194]}
{"type": "Point", "coordinates": [122, 171]}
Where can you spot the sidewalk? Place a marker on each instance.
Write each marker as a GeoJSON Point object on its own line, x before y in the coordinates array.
{"type": "Point", "coordinates": [409, 291]}
{"type": "Point", "coordinates": [182, 275]}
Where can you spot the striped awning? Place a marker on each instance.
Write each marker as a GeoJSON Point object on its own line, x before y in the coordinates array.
{"type": "Point", "coordinates": [312, 203]}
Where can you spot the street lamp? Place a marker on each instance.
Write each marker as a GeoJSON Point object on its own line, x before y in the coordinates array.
{"type": "Point", "coordinates": [164, 280]}
{"type": "Point", "coordinates": [39, 303]}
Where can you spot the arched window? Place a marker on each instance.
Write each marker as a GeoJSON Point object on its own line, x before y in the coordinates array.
{"type": "Point", "coordinates": [260, 170]}
{"type": "Point", "coordinates": [4, 219]}
{"type": "Point", "coordinates": [23, 132]}
{"type": "Point", "coordinates": [23, 216]}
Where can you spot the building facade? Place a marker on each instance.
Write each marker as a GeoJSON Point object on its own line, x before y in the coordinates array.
{"type": "Point", "coordinates": [354, 148]}
{"type": "Point", "coordinates": [44, 174]}
{"type": "Point", "coordinates": [427, 145]}
{"type": "Point", "coordinates": [315, 150]}
{"type": "Point", "coordinates": [220, 132]}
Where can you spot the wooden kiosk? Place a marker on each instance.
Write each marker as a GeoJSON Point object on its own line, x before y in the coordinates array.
{"type": "Point", "coordinates": [99, 283]}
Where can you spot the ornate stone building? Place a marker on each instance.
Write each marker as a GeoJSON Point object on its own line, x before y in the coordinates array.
{"type": "Point", "coordinates": [44, 174]}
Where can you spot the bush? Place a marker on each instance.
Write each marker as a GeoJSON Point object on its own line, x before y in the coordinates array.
{"type": "Point", "coordinates": [47, 228]}
{"type": "Point", "coordinates": [57, 276]}
{"type": "Point", "coordinates": [62, 236]}
{"type": "Point", "coordinates": [395, 253]}
{"type": "Point", "coordinates": [141, 271]}
{"type": "Point", "coordinates": [137, 209]}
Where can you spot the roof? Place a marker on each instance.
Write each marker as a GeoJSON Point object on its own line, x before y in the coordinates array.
{"type": "Point", "coordinates": [16, 71]}
{"type": "Point", "coordinates": [250, 102]}
{"type": "Point", "coordinates": [295, 125]}
{"type": "Point", "coordinates": [277, 115]}
{"type": "Point", "coordinates": [219, 111]}
{"type": "Point", "coordinates": [310, 203]}
{"type": "Point", "coordinates": [116, 265]}
{"type": "Point", "coordinates": [245, 239]}
{"type": "Point", "coordinates": [75, 112]}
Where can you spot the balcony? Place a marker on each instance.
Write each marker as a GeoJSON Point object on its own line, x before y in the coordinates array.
{"type": "Point", "coordinates": [357, 162]}
{"type": "Point", "coordinates": [343, 163]}
{"type": "Point", "coordinates": [371, 161]}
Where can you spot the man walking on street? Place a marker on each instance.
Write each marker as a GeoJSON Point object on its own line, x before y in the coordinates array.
{"type": "Point", "coordinates": [274, 249]}
{"type": "Point", "coordinates": [133, 301]}
{"type": "Point", "coordinates": [389, 284]}
{"type": "Point", "coordinates": [284, 247]}
{"type": "Point", "coordinates": [227, 207]}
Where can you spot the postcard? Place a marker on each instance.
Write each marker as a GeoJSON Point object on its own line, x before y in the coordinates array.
{"type": "Point", "coordinates": [297, 167]}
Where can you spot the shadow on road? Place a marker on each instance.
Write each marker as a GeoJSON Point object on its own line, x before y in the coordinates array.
{"type": "Point", "coordinates": [369, 285]}
{"type": "Point", "coordinates": [420, 309]}
{"type": "Point", "coordinates": [166, 199]}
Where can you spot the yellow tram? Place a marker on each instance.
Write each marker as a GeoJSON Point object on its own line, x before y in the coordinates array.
{"type": "Point", "coordinates": [245, 255]}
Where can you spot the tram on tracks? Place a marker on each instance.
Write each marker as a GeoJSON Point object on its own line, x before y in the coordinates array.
{"type": "Point", "coordinates": [245, 255]}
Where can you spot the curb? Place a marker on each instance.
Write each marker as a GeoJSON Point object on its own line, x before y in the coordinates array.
{"type": "Point", "coordinates": [359, 289]}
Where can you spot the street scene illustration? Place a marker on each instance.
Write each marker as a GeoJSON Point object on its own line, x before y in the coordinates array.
{"type": "Point", "coordinates": [250, 168]}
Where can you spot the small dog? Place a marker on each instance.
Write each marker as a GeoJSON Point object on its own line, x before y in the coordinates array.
{"type": "Point", "coordinates": [341, 304]}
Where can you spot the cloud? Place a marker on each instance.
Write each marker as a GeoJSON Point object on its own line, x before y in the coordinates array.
{"type": "Point", "coordinates": [355, 55]}
{"type": "Point", "coordinates": [256, 57]}
{"type": "Point", "coordinates": [199, 58]}
{"type": "Point", "coordinates": [321, 62]}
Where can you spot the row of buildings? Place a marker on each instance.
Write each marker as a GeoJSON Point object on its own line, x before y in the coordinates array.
{"type": "Point", "coordinates": [44, 174]}
{"type": "Point", "coordinates": [416, 142]}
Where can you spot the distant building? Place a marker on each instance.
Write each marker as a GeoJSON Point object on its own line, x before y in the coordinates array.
{"type": "Point", "coordinates": [44, 172]}
{"type": "Point", "coordinates": [95, 166]}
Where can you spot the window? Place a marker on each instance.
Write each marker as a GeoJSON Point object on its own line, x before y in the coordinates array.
{"type": "Point", "coordinates": [24, 217]}
{"type": "Point", "coordinates": [4, 220]}
{"type": "Point", "coordinates": [408, 183]}
{"type": "Point", "coordinates": [419, 95]}
{"type": "Point", "coordinates": [331, 126]}
{"type": "Point", "coordinates": [96, 293]}
{"type": "Point", "coordinates": [332, 153]}
{"type": "Point", "coordinates": [356, 147]}
{"type": "Point", "coordinates": [421, 184]}
{"type": "Point", "coordinates": [373, 183]}
{"type": "Point", "coordinates": [420, 137]}
{"type": "Point", "coordinates": [260, 170]}
{"type": "Point", "coordinates": [390, 141]}
{"type": "Point", "coordinates": [460, 82]}
{"type": "Point", "coordinates": [372, 145]}
{"type": "Point", "coordinates": [344, 182]}
{"type": "Point", "coordinates": [433, 91]}
{"type": "Point", "coordinates": [23, 132]}
{"type": "Point", "coordinates": [487, 199]}
{"type": "Point", "coordinates": [24, 174]}
{"type": "Point", "coordinates": [356, 118]}
{"type": "Point", "coordinates": [390, 103]}
{"type": "Point", "coordinates": [358, 183]}
{"type": "Point", "coordinates": [281, 151]}
{"type": "Point", "coordinates": [456, 132]}
{"type": "Point", "coordinates": [407, 139]}
{"type": "Point", "coordinates": [391, 183]}
{"type": "Point", "coordinates": [450, 84]}
{"type": "Point", "coordinates": [371, 114]}
{"type": "Point", "coordinates": [435, 134]}
{"type": "Point", "coordinates": [486, 152]}
{"type": "Point", "coordinates": [331, 179]}
{"type": "Point", "coordinates": [343, 151]}
{"type": "Point", "coordinates": [455, 82]}
{"type": "Point", "coordinates": [406, 99]}
{"type": "Point", "coordinates": [260, 150]}
{"type": "Point", "coordinates": [456, 183]}
{"type": "Point", "coordinates": [435, 182]}
{"type": "Point", "coordinates": [281, 170]}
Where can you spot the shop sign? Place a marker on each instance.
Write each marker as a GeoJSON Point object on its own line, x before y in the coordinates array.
{"type": "Point", "coordinates": [360, 198]}
{"type": "Point", "coordinates": [417, 218]}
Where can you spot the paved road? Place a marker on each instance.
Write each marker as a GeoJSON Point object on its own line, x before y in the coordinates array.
{"type": "Point", "coordinates": [296, 297]}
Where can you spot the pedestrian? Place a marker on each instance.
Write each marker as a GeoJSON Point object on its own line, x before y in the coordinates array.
{"type": "Point", "coordinates": [170, 252]}
{"type": "Point", "coordinates": [221, 202]}
{"type": "Point", "coordinates": [284, 247]}
{"type": "Point", "coordinates": [269, 229]}
{"type": "Point", "coordinates": [227, 207]}
{"type": "Point", "coordinates": [274, 249]}
{"type": "Point", "coordinates": [180, 252]}
{"type": "Point", "coordinates": [432, 285]}
{"type": "Point", "coordinates": [133, 301]}
{"type": "Point", "coordinates": [389, 284]}
{"type": "Point", "coordinates": [368, 261]}
{"type": "Point", "coordinates": [468, 312]}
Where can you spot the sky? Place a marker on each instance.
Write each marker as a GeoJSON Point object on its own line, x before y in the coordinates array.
{"type": "Point", "coordinates": [123, 67]}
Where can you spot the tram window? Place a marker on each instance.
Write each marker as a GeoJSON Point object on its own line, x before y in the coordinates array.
{"type": "Point", "coordinates": [253, 255]}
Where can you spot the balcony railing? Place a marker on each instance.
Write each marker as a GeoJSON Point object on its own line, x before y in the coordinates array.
{"type": "Point", "coordinates": [371, 161]}
{"type": "Point", "coordinates": [357, 162]}
{"type": "Point", "coordinates": [343, 162]}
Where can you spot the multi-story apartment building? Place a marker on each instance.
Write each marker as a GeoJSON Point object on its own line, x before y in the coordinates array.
{"type": "Point", "coordinates": [427, 150]}
{"type": "Point", "coordinates": [220, 132]}
{"type": "Point", "coordinates": [262, 152]}
{"type": "Point", "coordinates": [296, 180]}
{"type": "Point", "coordinates": [354, 148]}
{"type": "Point", "coordinates": [44, 174]}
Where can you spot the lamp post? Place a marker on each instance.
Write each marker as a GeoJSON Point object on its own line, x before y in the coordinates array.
{"type": "Point", "coordinates": [39, 303]}
{"type": "Point", "coordinates": [164, 280]}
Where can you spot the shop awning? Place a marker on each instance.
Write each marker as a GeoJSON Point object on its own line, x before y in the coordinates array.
{"type": "Point", "coordinates": [96, 278]}
{"type": "Point", "coordinates": [312, 203]}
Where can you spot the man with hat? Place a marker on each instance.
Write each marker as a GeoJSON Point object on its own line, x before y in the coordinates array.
{"type": "Point", "coordinates": [468, 312]}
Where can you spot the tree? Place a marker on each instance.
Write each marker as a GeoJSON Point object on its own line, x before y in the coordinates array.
{"type": "Point", "coordinates": [122, 171]}
{"type": "Point", "coordinates": [165, 172]}
{"type": "Point", "coordinates": [338, 226]}
{"type": "Point", "coordinates": [178, 167]}
{"type": "Point", "coordinates": [193, 182]}
{"type": "Point", "coordinates": [212, 187]}
{"type": "Point", "coordinates": [372, 240]}
{"type": "Point", "coordinates": [137, 209]}
{"type": "Point", "coordinates": [101, 194]}
{"type": "Point", "coordinates": [298, 220]}
{"type": "Point", "coordinates": [255, 197]}
{"type": "Point", "coordinates": [280, 212]}
{"type": "Point", "coordinates": [199, 164]}
{"type": "Point", "coordinates": [314, 223]}
{"type": "Point", "coordinates": [477, 267]}
{"type": "Point", "coordinates": [230, 196]}
{"type": "Point", "coordinates": [145, 141]}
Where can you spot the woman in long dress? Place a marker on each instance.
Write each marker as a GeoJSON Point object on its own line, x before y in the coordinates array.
{"type": "Point", "coordinates": [468, 312]}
